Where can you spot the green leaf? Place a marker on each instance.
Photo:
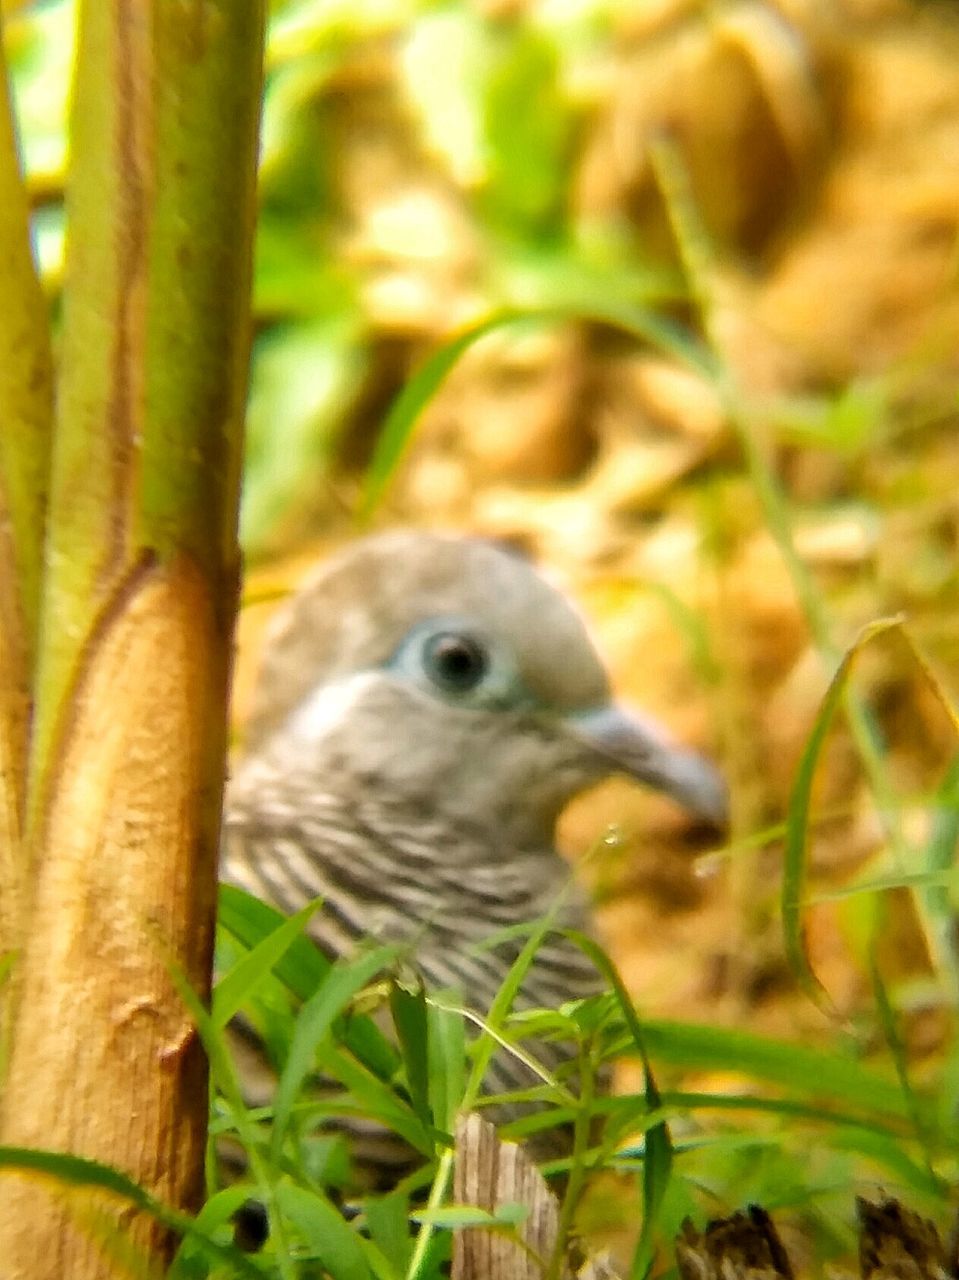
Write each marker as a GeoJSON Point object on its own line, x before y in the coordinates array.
{"type": "Point", "coordinates": [488, 1042]}
{"type": "Point", "coordinates": [542, 1024]}
{"type": "Point", "coordinates": [447, 1064]}
{"type": "Point", "coordinates": [805, 1071]}
{"type": "Point", "coordinates": [938, 900]}
{"type": "Point", "coordinates": [327, 1233]}
{"type": "Point", "coordinates": [419, 390]}
{"type": "Point", "coordinates": [798, 813]}
{"type": "Point", "coordinates": [658, 1162]}
{"type": "Point", "coordinates": [78, 1171]}
{"type": "Point", "coordinates": [246, 975]}
{"type": "Point", "coordinates": [315, 1023]}
{"type": "Point", "coordinates": [302, 969]}
{"type": "Point", "coordinates": [528, 133]}
{"type": "Point", "coordinates": [887, 1023]}
{"type": "Point", "coordinates": [215, 1214]}
{"type": "Point", "coordinates": [387, 1219]}
{"type": "Point", "coordinates": [409, 1018]}
{"type": "Point", "coordinates": [454, 1216]}
{"type": "Point", "coordinates": [377, 1099]}
{"type": "Point", "coordinates": [394, 438]}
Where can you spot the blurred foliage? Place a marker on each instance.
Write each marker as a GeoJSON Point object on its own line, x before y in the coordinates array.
{"type": "Point", "coordinates": [487, 110]}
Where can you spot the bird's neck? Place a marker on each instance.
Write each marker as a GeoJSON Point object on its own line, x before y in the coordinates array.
{"type": "Point", "coordinates": [388, 864]}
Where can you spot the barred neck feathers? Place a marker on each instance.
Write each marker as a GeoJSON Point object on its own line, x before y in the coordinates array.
{"type": "Point", "coordinates": [385, 864]}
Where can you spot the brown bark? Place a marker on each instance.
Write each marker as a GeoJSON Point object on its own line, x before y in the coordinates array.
{"type": "Point", "coordinates": [139, 587]}
{"type": "Point", "coordinates": [743, 1247]}
{"type": "Point", "coordinates": [488, 1174]}
{"type": "Point", "coordinates": [133, 820]}
{"type": "Point", "coordinates": [894, 1244]}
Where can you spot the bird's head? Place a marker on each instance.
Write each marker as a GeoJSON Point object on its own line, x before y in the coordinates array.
{"type": "Point", "coordinates": [444, 672]}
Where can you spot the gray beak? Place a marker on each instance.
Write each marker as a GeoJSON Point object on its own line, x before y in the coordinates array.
{"type": "Point", "coordinates": [641, 749]}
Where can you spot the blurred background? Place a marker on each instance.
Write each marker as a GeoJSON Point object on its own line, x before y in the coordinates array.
{"type": "Point", "coordinates": [705, 259]}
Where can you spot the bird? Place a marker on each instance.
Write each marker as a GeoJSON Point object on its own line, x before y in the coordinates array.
{"type": "Point", "coordinates": [426, 706]}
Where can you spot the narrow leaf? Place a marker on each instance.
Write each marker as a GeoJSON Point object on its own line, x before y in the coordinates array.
{"type": "Point", "coordinates": [387, 1219]}
{"type": "Point", "coordinates": [327, 1233]}
{"type": "Point", "coordinates": [410, 403]}
{"type": "Point", "coordinates": [658, 1162]}
{"type": "Point", "coordinates": [409, 1017]}
{"type": "Point", "coordinates": [805, 1071]}
{"type": "Point", "coordinates": [643, 323]}
{"type": "Point", "coordinates": [377, 1099]}
{"type": "Point", "coordinates": [447, 1064]}
{"type": "Point", "coordinates": [246, 975]}
{"type": "Point", "coordinates": [78, 1171]}
{"type": "Point", "coordinates": [302, 969]}
{"type": "Point", "coordinates": [798, 815]}
{"type": "Point", "coordinates": [314, 1024]}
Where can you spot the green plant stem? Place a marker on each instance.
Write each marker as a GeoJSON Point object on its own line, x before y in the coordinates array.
{"type": "Point", "coordinates": [577, 1172]}
{"type": "Point", "coordinates": [26, 382]}
{"type": "Point", "coordinates": [126, 769]}
{"type": "Point", "coordinates": [441, 1182]}
{"type": "Point", "coordinates": [26, 411]}
{"type": "Point", "coordinates": [155, 319]}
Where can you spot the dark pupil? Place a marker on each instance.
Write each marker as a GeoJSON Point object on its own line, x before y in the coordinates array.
{"type": "Point", "coordinates": [456, 662]}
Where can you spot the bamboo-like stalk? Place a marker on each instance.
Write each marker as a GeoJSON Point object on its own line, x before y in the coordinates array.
{"type": "Point", "coordinates": [26, 411]}
{"type": "Point", "coordinates": [135, 633]}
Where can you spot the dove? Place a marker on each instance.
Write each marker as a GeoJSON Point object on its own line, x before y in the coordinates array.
{"type": "Point", "coordinates": [426, 707]}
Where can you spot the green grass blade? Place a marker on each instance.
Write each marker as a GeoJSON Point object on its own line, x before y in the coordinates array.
{"type": "Point", "coordinates": [408, 1009]}
{"type": "Point", "coordinates": [897, 1050]}
{"type": "Point", "coordinates": [938, 880]}
{"type": "Point", "coordinates": [806, 1072]}
{"type": "Point", "coordinates": [447, 1064]}
{"type": "Point", "coordinates": [78, 1171]}
{"type": "Point", "coordinates": [377, 1100]}
{"type": "Point", "coordinates": [639, 321]}
{"type": "Point", "coordinates": [302, 969]}
{"type": "Point", "coordinates": [416, 394]}
{"type": "Point", "coordinates": [215, 1214]}
{"type": "Point", "coordinates": [484, 1047]}
{"type": "Point", "coordinates": [492, 1024]}
{"type": "Point", "coordinates": [937, 900]}
{"type": "Point", "coordinates": [328, 1235]}
{"type": "Point", "coordinates": [314, 1024]}
{"type": "Point", "coordinates": [303, 966]}
{"type": "Point", "coordinates": [658, 1162]}
{"type": "Point", "coordinates": [798, 816]}
{"type": "Point", "coordinates": [246, 975]}
{"type": "Point", "coordinates": [387, 1220]}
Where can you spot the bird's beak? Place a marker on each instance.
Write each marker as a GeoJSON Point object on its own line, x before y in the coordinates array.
{"type": "Point", "coordinates": [642, 749]}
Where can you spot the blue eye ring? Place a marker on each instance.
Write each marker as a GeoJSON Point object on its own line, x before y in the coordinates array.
{"type": "Point", "coordinates": [455, 661]}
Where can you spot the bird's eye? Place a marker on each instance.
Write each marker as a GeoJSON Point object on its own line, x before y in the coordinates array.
{"type": "Point", "coordinates": [455, 662]}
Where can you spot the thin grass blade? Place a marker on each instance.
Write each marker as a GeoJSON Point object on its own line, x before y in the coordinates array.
{"type": "Point", "coordinates": [314, 1024]}
{"type": "Point", "coordinates": [798, 817]}
{"type": "Point", "coordinates": [408, 1008]}
{"type": "Point", "coordinates": [246, 975]}
{"type": "Point", "coordinates": [78, 1171]}
{"type": "Point", "coordinates": [327, 1233]}
{"type": "Point", "coordinates": [302, 968]}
